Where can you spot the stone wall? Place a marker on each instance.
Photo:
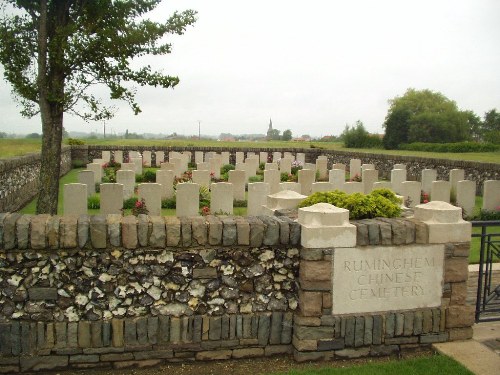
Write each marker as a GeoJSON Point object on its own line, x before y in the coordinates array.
{"type": "Point", "coordinates": [81, 292]}
{"type": "Point", "coordinates": [19, 179]}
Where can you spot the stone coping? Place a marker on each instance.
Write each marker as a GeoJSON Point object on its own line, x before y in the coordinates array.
{"type": "Point", "coordinates": [38, 232]}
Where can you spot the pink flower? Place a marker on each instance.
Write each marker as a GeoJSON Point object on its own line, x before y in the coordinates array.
{"type": "Point", "coordinates": [426, 201]}
{"type": "Point", "coordinates": [138, 204]}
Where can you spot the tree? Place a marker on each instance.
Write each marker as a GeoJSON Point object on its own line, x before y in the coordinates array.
{"type": "Point", "coordinates": [274, 134]}
{"type": "Point", "coordinates": [424, 116]}
{"type": "Point", "coordinates": [287, 135]}
{"type": "Point", "coordinates": [358, 137]}
{"type": "Point", "coordinates": [475, 125]}
{"type": "Point", "coordinates": [53, 51]}
{"type": "Point", "coordinates": [491, 126]}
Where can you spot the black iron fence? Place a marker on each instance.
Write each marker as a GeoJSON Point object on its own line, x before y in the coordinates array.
{"type": "Point", "coordinates": [488, 287]}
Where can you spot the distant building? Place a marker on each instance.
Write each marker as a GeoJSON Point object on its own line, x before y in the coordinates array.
{"type": "Point", "coordinates": [270, 130]}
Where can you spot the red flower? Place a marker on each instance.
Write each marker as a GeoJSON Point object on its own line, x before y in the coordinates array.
{"type": "Point", "coordinates": [426, 201]}
{"type": "Point", "coordinates": [138, 204]}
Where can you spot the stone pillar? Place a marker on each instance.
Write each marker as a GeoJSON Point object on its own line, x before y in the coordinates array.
{"type": "Point", "coordinates": [221, 198]}
{"type": "Point", "coordinates": [411, 190]}
{"type": "Point", "coordinates": [321, 186]}
{"type": "Point", "coordinates": [151, 193]}
{"type": "Point", "coordinates": [97, 169]}
{"type": "Point", "coordinates": [146, 158]}
{"type": "Point", "coordinates": [491, 195]}
{"type": "Point", "coordinates": [353, 187]}
{"type": "Point", "coordinates": [398, 176]}
{"type": "Point", "coordinates": [187, 199]}
{"type": "Point", "coordinates": [198, 157]}
{"type": "Point", "coordinates": [166, 178]}
{"type": "Point", "coordinates": [272, 177]}
{"type": "Point", "coordinates": [111, 198]}
{"type": "Point", "coordinates": [283, 200]}
{"type": "Point", "coordinates": [306, 179]}
{"type": "Point", "coordinates": [293, 186]}
{"type": "Point", "coordinates": [428, 177]}
{"type": "Point", "coordinates": [159, 158]}
{"type": "Point", "coordinates": [466, 196]}
{"type": "Point", "coordinates": [237, 178]}
{"type": "Point", "coordinates": [87, 178]}
{"type": "Point", "coordinates": [369, 177]}
{"type": "Point", "coordinates": [118, 156]}
{"type": "Point", "coordinates": [201, 177]}
{"type": "Point", "coordinates": [354, 168]}
{"type": "Point", "coordinates": [127, 179]}
{"type": "Point", "coordinates": [75, 199]}
{"type": "Point", "coordinates": [322, 168]}
{"type": "Point", "coordinates": [337, 178]}
{"type": "Point", "coordinates": [286, 165]}
{"type": "Point", "coordinates": [257, 197]}
{"type": "Point", "coordinates": [440, 191]}
{"type": "Point", "coordinates": [455, 176]}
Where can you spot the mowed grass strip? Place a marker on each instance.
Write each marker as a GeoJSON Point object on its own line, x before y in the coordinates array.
{"type": "Point", "coordinates": [433, 365]}
{"type": "Point", "coordinates": [16, 147]}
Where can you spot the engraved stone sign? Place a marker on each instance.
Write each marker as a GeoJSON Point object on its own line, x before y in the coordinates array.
{"type": "Point", "coordinates": [374, 279]}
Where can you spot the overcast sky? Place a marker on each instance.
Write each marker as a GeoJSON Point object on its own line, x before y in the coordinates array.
{"type": "Point", "coordinates": [312, 66]}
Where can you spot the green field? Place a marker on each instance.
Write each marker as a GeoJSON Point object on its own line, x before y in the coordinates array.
{"type": "Point", "coordinates": [15, 147]}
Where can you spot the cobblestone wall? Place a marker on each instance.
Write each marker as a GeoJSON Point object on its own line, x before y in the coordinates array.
{"type": "Point", "coordinates": [83, 292]}
{"type": "Point", "coordinates": [19, 179]}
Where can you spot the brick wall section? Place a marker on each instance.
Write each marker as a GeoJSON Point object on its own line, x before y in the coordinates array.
{"type": "Point", "coordinates": [19, 179]}
{"type": "Point", "coordinates": [57, 271]}
{"type": "Point", "coordinates": [319, 335]}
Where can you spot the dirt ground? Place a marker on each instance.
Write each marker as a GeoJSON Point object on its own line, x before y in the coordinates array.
{"type": "Point", "coordinates": [256, 366]}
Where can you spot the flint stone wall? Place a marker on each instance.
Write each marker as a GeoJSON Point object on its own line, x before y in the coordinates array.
{"type": "Point", "coordinates": [82, 291]}
{"type": "Point", "coordinates": [19, 179]}
{"type": "Point", "coordinates": [474, 171]}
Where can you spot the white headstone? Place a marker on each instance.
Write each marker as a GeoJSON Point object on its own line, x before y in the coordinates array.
{"type": "Point", "coordinates": [369, 177]}
{"type": "Point", "coordinates": [106, 156]}
{"type": "Point", "coordinates": [128, 167]}
{"type": "Point", "coordinates": [118, 156]}
{"type": "Point", "coordinates": [353, 187]}
{"type": "Point", "coordinates": [240, 157]}
{"type": "Point", "coordinates": [178, 166]}
{"type": "Point", "coordinates": [399, 166]}
{"type": "Point", "coordinates": [271, 166]}
{"type": "Point", "coordinates": [263, 157]}
{"type": "Point", "coordinates": [398, 176]}
{"type": "Point", "coordinates": [428, 176]}
{"type": "Point", "coordinates": [203, 167]}
{"type": "Point", "coordinates": [466, 196]}
{"type": "Point", "coordinates": [257, 198]}
{"type": "Point", "coordinates": [133, 154]}
{"type": "Point", "coordinates": [225, 157]}
{"type": "Point", "coordinates": [354, 168]}
{"type": "Point", "coordinates": [301, 157]}
{"type": "Point", "coordinates": [276, 156]}
{"type": "Point", "coordinates": [286, 165]}
{"type": "Point", "coordinates": [97, 169]}
{"type": "Point", "coordinates": [201, 177]}
{"type": "Point", "coordinates": [337, 178]}
{"type": "Point", "coordinates": [310, 166]}
{"type": "Point", "coordinates": [455, 176]}
{"type": "Point", "coordinates": [187, 199]}
{"type": "Point", "coordinates": [138, 165]}
{"type": "Point", "coordinates": [365, 167]}
{"type": "Point", "coordinates": [160, 158]}
{"type": "Point", "coordinates": [411, 190]}
{"type": "Point", "coordinates": [272, 177]}
{"type": "Point", "coordinates": [146, 158]}
{"type": "Point", "coordinates": [238, 179]}
{"type": "Point", "coordinates": [293, 186]}
{"type": "Point", "coordinates": [215, 167]}
{"type": "Point", "coordinates": [322, 168]}
{"type": "Point", "coordinates": [127, 179]}
{"type": "Point", "coordinates": [111, 198]}
{"type": "Point", "coordinates": [306, 178]}
{"type": "Point", "coordinates": [440, 191]}
{"type": "Point", "coordinates": [198, 157]}
{"type": "Point", "coordinates": [75, 199]}
{"type": "Point", "coordinates": [151, 193]}
{"type": "Point", "coordinates": [338, 166]}
{"type": "Point", "coordinates": [491, 195]}
{"type": "Point", "coordinates": [382, 185]}
{"type": "Point", "coordinates": [322, 186]}
{"type": "Point", "coordinates": [87, 177]}
{"type": "Point", "coordinates": [288, 155]}
{"type": "Point", "coordinates": [221, 198]}
{"type": "Point", "coordinates": [165, 178]}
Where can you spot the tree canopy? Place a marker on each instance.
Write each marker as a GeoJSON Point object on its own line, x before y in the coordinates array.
{"type": "Point", "coordinates": [424, 116]}
{"type": "Point", "coordinates": [53, 51]}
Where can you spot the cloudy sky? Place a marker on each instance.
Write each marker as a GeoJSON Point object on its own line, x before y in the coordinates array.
{"type": "Point", "coordinates": [312, 66]}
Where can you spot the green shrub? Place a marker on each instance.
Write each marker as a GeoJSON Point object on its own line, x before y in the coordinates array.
{"type": "Point", "coordinates": [149, 176]}
{"type": "Point", "coordinates": [488, 215]}
{"type": "Point", "coordinates": [139, 178]}
{"type": "Point", "coordinates": [130, 203]}
{"type": "Point", "coordinates": [258, 178]}
{"type": "Point", "coordinates": [239, 203]}
{"type": "Point", "coordinates": [168, 203]}
{"type": "Point", "coordinates": [458, 147]}
{"type": "Point", "coordinates": [358, 137]}
{"type": "Point", "coordinates": [74, 141]}
{"type": "Point", "coordinates": [380, 203]}
{"type": "Point", "coordinates": [226, 168]}
{"type": "Point", "coordinates": [78, 163]}
{"type": "Point", "coordinates": [191, 165]}
{"type": "Point", "coordinates": [262, 166]}
{"type": "Point", "coordinates": [93, 202]}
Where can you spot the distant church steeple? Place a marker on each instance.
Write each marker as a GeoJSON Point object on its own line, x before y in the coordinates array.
{"type": "Point", "coordinates": [270, 130]}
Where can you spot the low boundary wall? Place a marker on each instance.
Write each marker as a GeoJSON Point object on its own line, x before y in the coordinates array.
{"type": "Point", "coordinates": [83, 292]}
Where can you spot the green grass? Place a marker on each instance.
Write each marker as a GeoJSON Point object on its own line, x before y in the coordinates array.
{"type": "Point", "coordinates": [16, 147]}
{"type": "Point", "coordinates": [436, 364]}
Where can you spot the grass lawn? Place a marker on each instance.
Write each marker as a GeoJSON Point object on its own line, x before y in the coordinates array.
{"type": "Point", "coordinates": [436, 364]}
{"type": "Point", "coordinates": [16, 147]}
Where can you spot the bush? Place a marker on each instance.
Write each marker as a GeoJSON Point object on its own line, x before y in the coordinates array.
{"type": "Point", "coordinates": [93, 202]}
{"type": "Point", "coordinates": [129, 203]}
{"type": "Point", "coordinates": [358, 137]}
{"type": "Point", "coordinates": [488, 215]}
{"type": "Point", "coordinates": [74, 141]}
{"type": "Point", "coordinates": [149, 176]}
{"type": "Point", "coordinates": [191, 165]}
{"type": "Point", "coordinates": [258, 178]}
{"type": "Point", "coordinates": [379, 203]}
{"type": "Point", "coordinates": [239, 203]}
{"type": "Point", "coordinates": [262, 166]}
{"type": "Point", "coordinates": [226, 168]}
{"type": "Point", "coordinates": [78, 163]}
{"type": "Point", "coordinates": [458, 147]}
{"type": "Point", "coordinates": [169, 203]}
